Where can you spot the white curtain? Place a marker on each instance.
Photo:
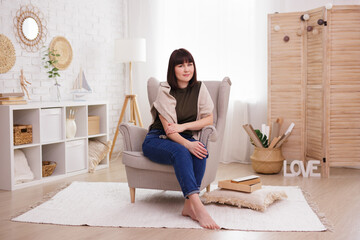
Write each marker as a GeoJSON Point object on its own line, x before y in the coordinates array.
{"type": "Point", "coordinates": [226, 38]}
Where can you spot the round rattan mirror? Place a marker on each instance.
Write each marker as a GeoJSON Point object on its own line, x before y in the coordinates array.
{"type": "Point", "coordinates": [30, 28]}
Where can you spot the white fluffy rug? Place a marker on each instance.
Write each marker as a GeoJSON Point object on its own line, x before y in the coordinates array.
{"type": "Point", "coordinates": [108, 204]}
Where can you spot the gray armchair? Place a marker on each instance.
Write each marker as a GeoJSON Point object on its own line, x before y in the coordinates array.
{"type": "Point", "coordinates": [143, 173]}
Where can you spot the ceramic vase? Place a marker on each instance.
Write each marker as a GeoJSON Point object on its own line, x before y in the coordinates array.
{"type": "Point", "coordinates": [70, 128]}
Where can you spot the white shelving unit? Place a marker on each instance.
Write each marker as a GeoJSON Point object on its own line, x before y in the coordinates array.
{"type": "Point", "coordinates": [49, 143]}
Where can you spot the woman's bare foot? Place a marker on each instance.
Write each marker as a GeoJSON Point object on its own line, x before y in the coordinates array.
{"type": "Point", "coordinates": [188, 210]}
{"type": "Point", "coordinates": [194, 208]}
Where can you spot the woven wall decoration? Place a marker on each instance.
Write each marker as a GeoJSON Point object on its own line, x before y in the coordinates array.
{"type": "Point", "coordinates": [61, 46]}
{"type": "Point", "coordinates": [7, 54]}
{"type": "Point", "coordinates": [30, 28]}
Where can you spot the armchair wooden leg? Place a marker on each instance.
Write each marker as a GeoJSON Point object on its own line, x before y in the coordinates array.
{"type": "Point", "coordinates": [208, 188]}
{"type": "Point", "coordinates": [132, 195]}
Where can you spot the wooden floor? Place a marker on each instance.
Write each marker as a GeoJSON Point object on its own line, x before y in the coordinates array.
{"type": "Point", "coordinates": [338, 197]}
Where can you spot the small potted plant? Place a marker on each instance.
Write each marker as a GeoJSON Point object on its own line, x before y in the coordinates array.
{"type": "Point", "coordinates": [49, 59]}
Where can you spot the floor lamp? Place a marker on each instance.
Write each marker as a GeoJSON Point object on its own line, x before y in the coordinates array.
{"type": "Point", "coordinates": [128, 51]}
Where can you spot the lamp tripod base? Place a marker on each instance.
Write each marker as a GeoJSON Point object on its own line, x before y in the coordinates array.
{"type": "Point", "coordinates": [134, 112]}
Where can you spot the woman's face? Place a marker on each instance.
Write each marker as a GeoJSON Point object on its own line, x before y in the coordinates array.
{"type": "Point", "coordinates": [184, 73]}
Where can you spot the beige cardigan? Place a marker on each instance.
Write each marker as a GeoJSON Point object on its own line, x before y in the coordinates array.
{"type": "Point", "coordinates": [165, 104]}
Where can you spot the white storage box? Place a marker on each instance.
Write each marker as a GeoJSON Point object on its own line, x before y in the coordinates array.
{"type": "Point", "coordinates": [51, 125]}
{"type": "Point", "coordinates": [75, 155]}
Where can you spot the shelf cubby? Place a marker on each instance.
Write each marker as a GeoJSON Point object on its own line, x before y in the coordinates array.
{"type": "Point", "coordinates": [105, 161]}
{"type": "Point", "coordinates": [28, 117]}
{"type": "Point", "coordinates": [80, 120]}
{"type": "Point", "coordinates": [76, 155]}
{"type": "Point", "coordinates": [55, 153]}
{"type": "Point", "coordinates": [32, 155]}
{"type": "Point", "coordinates": [52, 124]}
{"type": "Point", "coordinates": [99, 110]}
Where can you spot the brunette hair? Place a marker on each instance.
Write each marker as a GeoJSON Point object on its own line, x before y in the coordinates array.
{"type": "Point", "coordinates": [179, 56]}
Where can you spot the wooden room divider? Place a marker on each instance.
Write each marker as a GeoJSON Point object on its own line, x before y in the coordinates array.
{"type": "Point", "coordinates": [314, 81]}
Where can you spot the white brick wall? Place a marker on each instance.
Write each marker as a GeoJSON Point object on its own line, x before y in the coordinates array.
{"type": "Point", "coordinates": [91, 26]}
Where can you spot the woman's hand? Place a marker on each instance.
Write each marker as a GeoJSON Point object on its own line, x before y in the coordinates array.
{"type": "Point", "coordinates": [174, 128]}
{"type": "Point", "coordinates": [197, 149]}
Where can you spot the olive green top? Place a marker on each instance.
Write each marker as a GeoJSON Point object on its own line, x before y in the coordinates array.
{"type": "Point", "coordinates": [186, 106]}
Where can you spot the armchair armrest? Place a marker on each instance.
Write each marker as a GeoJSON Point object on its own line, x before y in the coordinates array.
{"type": "Point", "coordinates": [133, 136]}
{"type": "Point", "coordinates": [208, 133]}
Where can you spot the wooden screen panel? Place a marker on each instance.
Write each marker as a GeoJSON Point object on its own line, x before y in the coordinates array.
{"type": "Point", "coordinates": [314, 123]}
{"type": "Point", "coordinates": [285, 74]}
{"type": "Point", "coordinates": [344, 86]}
{"type": "Point", "coordinates": [314, 148]}
{"type": "Point", "coordinates": [344, 125]}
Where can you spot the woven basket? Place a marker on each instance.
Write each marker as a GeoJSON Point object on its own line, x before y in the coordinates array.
{"type": "Point", "coordinates": [267, 160]}
{"type": "Point", "coordinates": [22, 134]}
{"type": "Point", "coordinates": [48, 168]}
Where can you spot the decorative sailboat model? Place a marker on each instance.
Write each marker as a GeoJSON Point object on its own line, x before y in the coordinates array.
{"type": "Point", "coordinates": [80, 87]}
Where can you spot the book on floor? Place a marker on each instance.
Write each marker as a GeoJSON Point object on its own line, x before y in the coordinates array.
{"type": "Point", "coordinates": [244, 184]}
{"type": "Point", "coordinates": [245, 180]}
{"type": "Point", "coordinates": [248, 182]}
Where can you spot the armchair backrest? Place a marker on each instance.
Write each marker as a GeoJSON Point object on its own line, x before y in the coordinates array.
{"type": "Point", "coordinates": [152, 87]}
{"type": "Point", "coordinates": [219, 92]}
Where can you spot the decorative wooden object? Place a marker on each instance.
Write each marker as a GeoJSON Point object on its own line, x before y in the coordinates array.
{"type": "Point", "coordinates": [30, 28]}
{"type": "Point", "coordinates": [93, 125]}
{"type": "Point", "coordinates": [301, 169]}
{"type": "Point", "coordinates": [314, 81]}
{"type": "Point", "coordinates": [24, 83]}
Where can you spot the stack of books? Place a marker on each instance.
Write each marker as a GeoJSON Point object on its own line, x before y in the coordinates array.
{"type": "Point", "coordinates": [12, 98]}
{"type": "Point", "coordinates": [244, 184]}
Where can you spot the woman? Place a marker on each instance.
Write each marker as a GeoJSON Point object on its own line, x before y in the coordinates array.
{"type": "Point", "coordinates": [182, 108]}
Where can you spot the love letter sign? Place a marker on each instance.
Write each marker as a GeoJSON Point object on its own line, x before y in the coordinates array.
{"type": "Point", "coordinates": [301, 168]}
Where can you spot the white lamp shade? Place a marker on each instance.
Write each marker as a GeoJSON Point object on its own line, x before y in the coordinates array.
{"type": "Point", "coordinates": [130, 50]}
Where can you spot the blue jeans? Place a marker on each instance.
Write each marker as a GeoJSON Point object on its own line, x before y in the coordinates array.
{"type": "Point", "coordinates": [189, 169]}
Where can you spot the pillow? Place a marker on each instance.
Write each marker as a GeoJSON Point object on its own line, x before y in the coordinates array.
{"type": "Point", "coordinates": [258, 200]}
{"type": "Point", "coordinates": [22, 171]}
{"type": "Point", "coordinates": [97, 152]}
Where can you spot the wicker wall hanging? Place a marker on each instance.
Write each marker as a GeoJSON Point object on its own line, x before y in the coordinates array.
{"type": "Point", "coordinates": [61, 46]}
{"type": "Point", "coordinates": [7, 54]}
{"type": "Point", "coordinates": [30, 28]}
